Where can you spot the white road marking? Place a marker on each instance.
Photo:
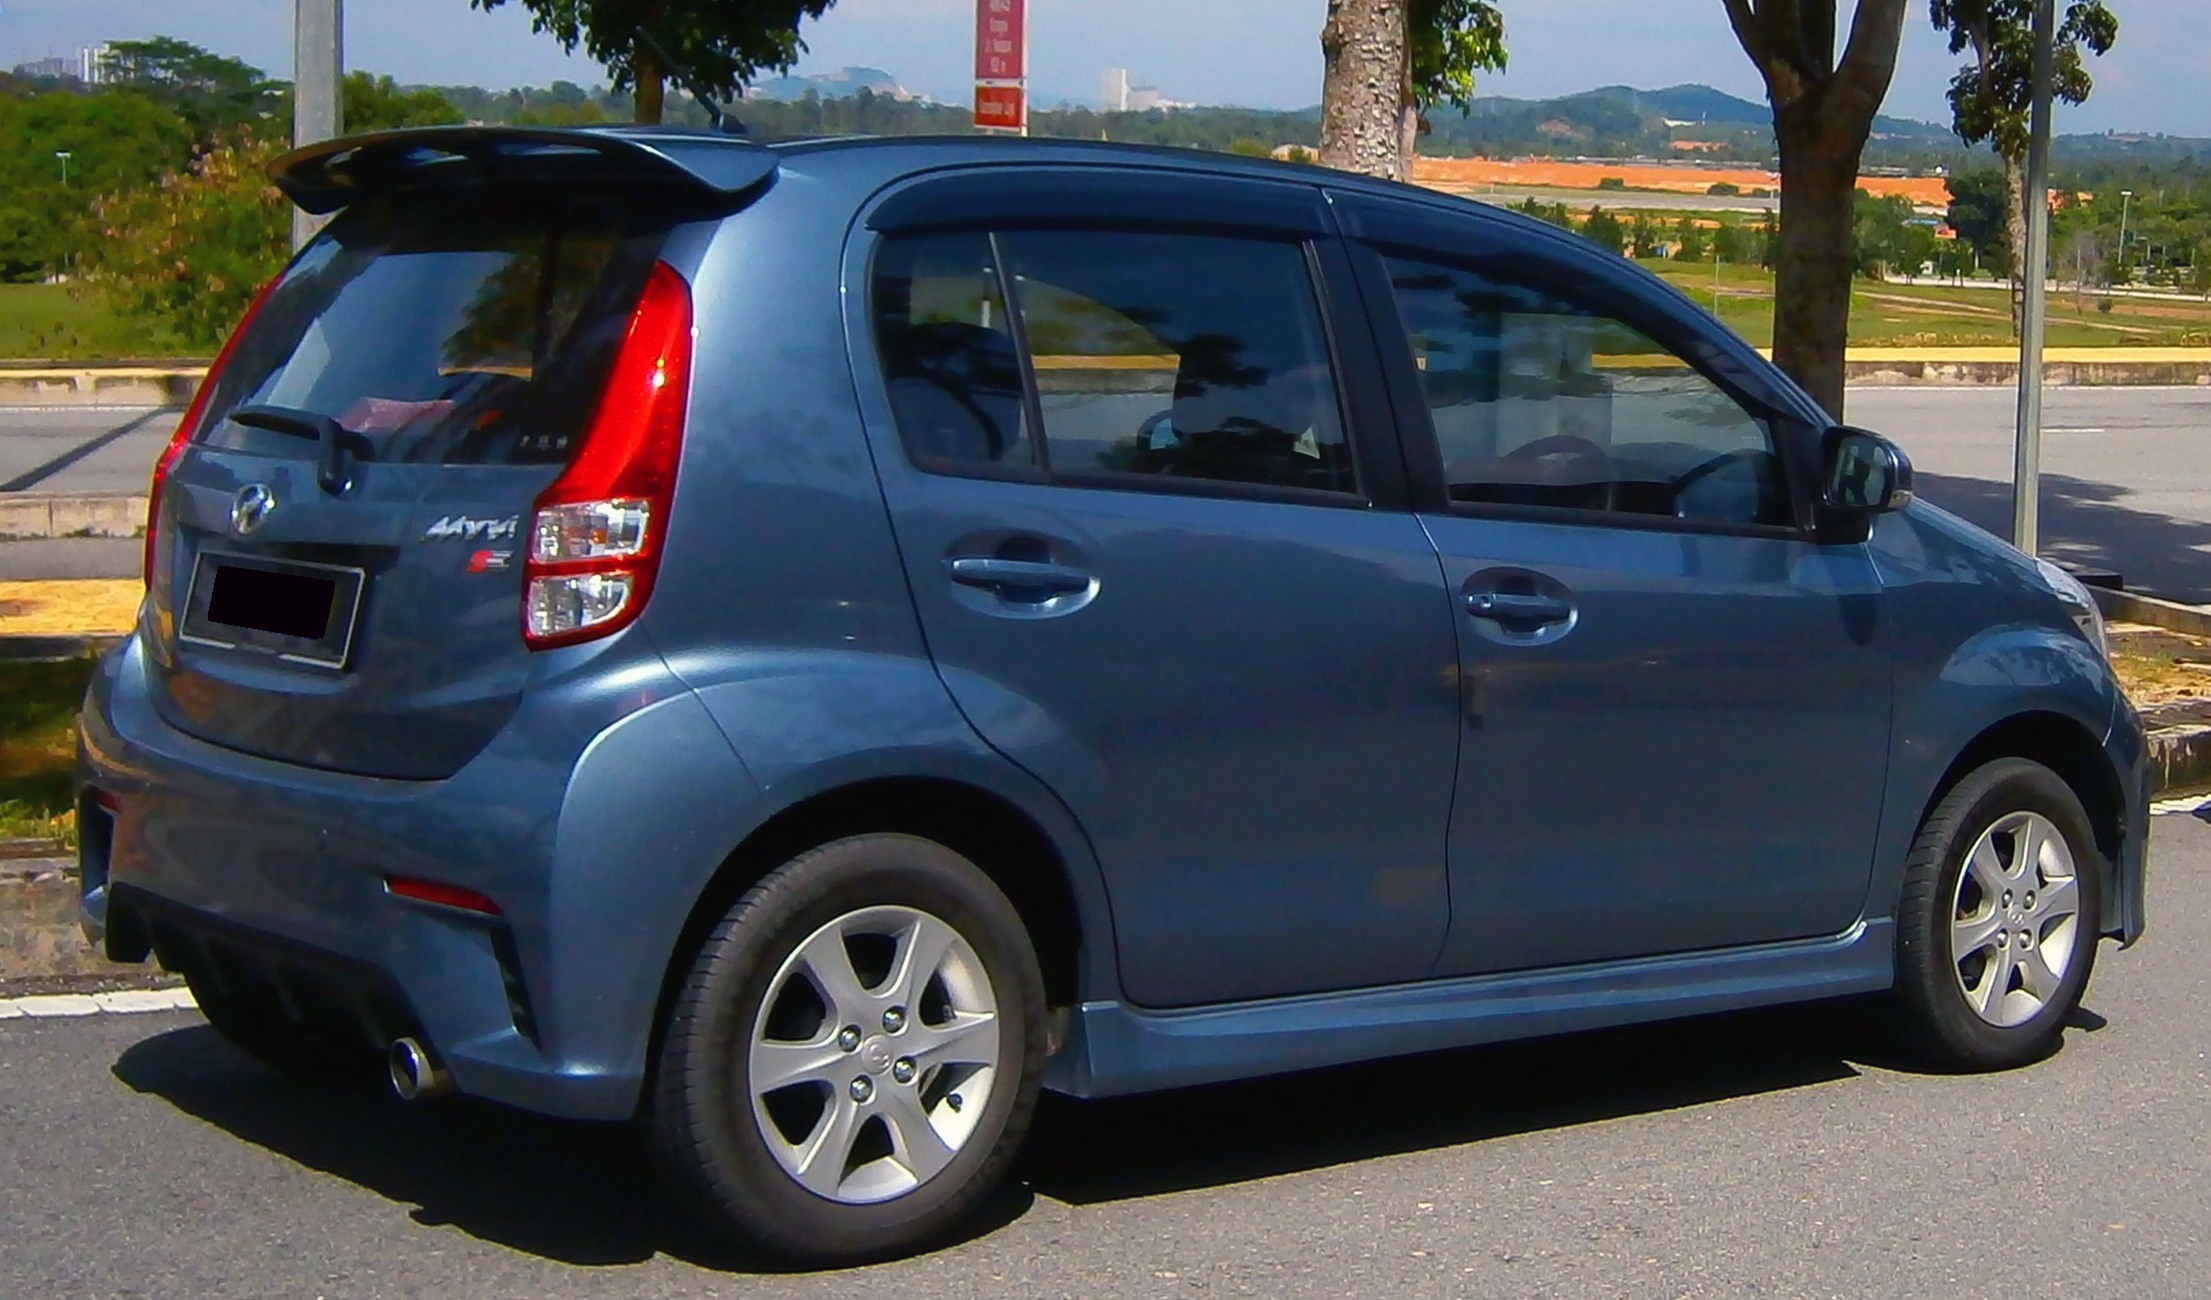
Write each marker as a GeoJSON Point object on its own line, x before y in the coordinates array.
{"type": "Point", "coordinates": [2083, 429]}
{"type": "Point", "coordinates": [47, 1005]}
{"type": "Point", "coordinates": [2188, 804]}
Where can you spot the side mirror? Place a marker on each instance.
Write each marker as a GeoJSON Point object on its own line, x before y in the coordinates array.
{"type": "Point", "coordinates": [1863, 473]}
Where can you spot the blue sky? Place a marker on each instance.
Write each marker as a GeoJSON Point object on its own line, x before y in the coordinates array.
{"type": "Point", "coordinates": [1259, 52]}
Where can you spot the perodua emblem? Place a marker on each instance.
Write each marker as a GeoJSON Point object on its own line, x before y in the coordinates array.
{"type": "Point", "coordinates": [254, 504]}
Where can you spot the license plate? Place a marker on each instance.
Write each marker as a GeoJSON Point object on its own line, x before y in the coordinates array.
{"type": "Point", "coordinates": [295, 611]}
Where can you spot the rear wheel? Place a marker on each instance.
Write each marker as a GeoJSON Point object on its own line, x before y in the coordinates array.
{"type": "Point", "coordinates": [1998, 921]}
{"type": "Point", "coordinates": [853, 1057]}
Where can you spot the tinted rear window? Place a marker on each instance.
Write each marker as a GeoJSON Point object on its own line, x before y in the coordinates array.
{"type": "Point", "coordinates": [457, 331]}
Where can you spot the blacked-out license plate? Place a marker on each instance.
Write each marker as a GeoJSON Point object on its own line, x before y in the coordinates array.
{"type": "Point", "coordinates": [290, 609]}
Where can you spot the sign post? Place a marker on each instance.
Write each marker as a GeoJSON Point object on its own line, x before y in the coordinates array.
{"type": "Point", "coordinates": [1002, 65]}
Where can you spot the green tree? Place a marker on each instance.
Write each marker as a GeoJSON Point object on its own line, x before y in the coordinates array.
{"type": "Point", "coordinates": [214, 92]}
{"type": "Point", "coordinates": [1604, 230]}
{"type": "Point", "coordinates": [1990, 98]}
{"type": "Point", "coordinates": [187, 254]}
{"type": "Point", "coordinates": [370, 103]}
{"type": "Point", "coordinates": [1689, 242]}
{"type": "Point", "coordinates": [1643, 237]}
{"type": "Point", "coordinates": [1731, 243]}
{"type": "Point", "coordinates": [115, 140]}
{"type": "Point", "coordinates": [723, 44]}
{"type": "Point", "coordinates": [1384, 61]}
{"type": "Point", "coordinates": [1879, 227]}
{"type": "Point", "coordinates": [1823, 110]}
{"type": "Point", "coordinates": [1246, 147]}
{"type": "Point", "coordinates": [1977, 212]}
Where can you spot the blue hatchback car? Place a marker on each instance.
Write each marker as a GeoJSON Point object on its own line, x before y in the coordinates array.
{"type": "Point", "coordinates": [804, 646]}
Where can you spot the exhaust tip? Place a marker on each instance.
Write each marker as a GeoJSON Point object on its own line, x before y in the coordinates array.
{"type": "Point", "coordinates": [415, 1073]}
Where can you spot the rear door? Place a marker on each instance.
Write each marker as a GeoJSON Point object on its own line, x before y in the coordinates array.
{"type": "Point", "coordinates": [338, 568]}
{"type": "Point", "coordinates": [1159, 553]}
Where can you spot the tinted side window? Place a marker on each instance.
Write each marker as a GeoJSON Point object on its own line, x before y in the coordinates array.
{"type": "Point", "coordinates": [1538, 401]}
{"type": "Point", "coordinates": [947, 349]}
{"type": "Point", "coordinates": [1182, 356]}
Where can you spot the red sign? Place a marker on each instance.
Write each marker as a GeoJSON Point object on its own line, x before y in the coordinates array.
{"type": "Point", "coordinates": [1001, 106]}
{"type": "Point", "coordinates": [1001, 40]}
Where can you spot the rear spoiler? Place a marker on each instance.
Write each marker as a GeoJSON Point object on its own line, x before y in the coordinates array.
{"type": "Point", "coordinates": [328, 175]}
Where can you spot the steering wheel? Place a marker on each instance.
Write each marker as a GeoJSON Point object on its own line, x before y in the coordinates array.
{"type": "Point", "coordinates": [1725, 460]}
{"type": "Point", "coordinates": [1555, 456]}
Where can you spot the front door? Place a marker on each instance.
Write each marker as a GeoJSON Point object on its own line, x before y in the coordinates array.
{"type": "Point", "coordinates": [1676, 702]}
{"type": "Point", "coordinates": [1151, 571]}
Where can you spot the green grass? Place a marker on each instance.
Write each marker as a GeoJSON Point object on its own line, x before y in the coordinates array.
{"type": "Point", "coordinates": [38, 717]}
{"type": "Point", "coordinates": [52, 322]}
{"type": "Point", "coordinates": [1937, 315]}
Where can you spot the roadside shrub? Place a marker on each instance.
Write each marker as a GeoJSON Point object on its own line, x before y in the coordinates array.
{"type": "Point", "coordinates": [2104, 305]}
{"type": "Point", "coordinates": [187, 253]}
{"type": "Point", "coordinates": [1725, 189]}
{"type": "Point", "coordinates": [1612, 183]}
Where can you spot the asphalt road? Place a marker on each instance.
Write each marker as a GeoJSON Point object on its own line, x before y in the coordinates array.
{"type": "Point", "coordinates": [2126, 473]}
{"type": "Point", "coordinates": [1777, 1154]}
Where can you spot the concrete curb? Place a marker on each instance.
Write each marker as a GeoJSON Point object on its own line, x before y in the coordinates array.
{"type": "Point", "coordinates": [2134, 607]}
{"type": "Point", "coordinates": [51, 1005]}
{"type": "Point", "coordinates": [72, 514]}
{"type": "Point", "coordinates": [145, 384]}
{"type": "Point", "coordinates": [2180, 757]}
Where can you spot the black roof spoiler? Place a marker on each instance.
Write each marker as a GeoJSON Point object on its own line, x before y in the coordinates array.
{"type": "Point", "coordinates": [330, 174]}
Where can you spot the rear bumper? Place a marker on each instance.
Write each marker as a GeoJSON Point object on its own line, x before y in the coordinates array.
{"type": "Point", "coordinates": [593, 822]}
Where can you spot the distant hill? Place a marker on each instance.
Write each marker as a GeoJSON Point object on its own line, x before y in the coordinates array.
{"type": "Point", "coordinates": [830, 85]}
{"type": "Point", "coordinates": [1688, 104]}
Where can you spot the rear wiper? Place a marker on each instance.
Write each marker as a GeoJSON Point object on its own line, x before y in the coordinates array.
{"type": "Point", "coordinates": [329, 436]}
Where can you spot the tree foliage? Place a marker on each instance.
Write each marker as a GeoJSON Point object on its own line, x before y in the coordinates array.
{"type": "Point", "coordinates": [1451, 41]}
{"type": "Point", "coordinates": [1990, 97]}
{"type": "Point", "coordinates": [372, 103]}
{"type": "Point", "coordinates": [187, 254]}
{"type": "Point", "coordinates": [722, 44]}
{"type": "Point", "coordinates": [115, 140]}
{"type": "Point", "coordinates": [214, 92]}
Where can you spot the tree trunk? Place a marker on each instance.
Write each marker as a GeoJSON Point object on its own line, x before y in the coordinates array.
{"type": "Point", "coordinates": [1365, 119]}
{"type": "Point", "coordinates": [2015, 235]}
{"type": "Point", "coordinates": [1816, 257]}
{"type": "Point", "coordinates": [647, 97]}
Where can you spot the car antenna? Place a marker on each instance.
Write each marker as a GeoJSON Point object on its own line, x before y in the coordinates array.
{"type": "Point", "coordinates": [722, 121]}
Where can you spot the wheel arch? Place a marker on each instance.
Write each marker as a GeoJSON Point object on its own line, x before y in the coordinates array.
{"type": "Point", "coordinates": [2061, 744]}
{"type": "Point", "coordinates": [989, 829]}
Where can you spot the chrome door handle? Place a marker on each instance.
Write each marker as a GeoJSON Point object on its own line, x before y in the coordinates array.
{"type": "Point", "coordinates": [1518, 607]}
{"type": "Point", "coordinates": [999, 575]}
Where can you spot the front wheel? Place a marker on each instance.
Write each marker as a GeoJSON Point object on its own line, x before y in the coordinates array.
{"type": "Point", "coordinates": [1998, 920]}
{"type": "Point", "coordinates": [853, 1058]}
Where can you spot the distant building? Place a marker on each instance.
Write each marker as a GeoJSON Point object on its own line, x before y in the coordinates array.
{"type": "Point", "coordinates": [1115, 87]}
{"type": "Point", "coordinates": [96, 65]}
{"type": "Point", "coordinates": [54, 67]}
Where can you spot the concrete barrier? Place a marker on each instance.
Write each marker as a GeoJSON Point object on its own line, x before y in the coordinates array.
{"type": "Point", "coordinates": [72, 514]}
{"type": "Point", "coordinates": [159, 384]}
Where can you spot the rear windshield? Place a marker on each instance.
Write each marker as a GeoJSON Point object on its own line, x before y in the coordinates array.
{"type": "Point", "coordinates": [451, 331]}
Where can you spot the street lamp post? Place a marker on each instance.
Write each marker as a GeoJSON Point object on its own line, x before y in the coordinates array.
{"type": "Point", "coordinates": [2126, 201]}
{"type": "Point", "coordinates": [65, 156]}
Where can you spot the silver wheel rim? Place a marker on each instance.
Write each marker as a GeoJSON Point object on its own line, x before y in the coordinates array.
{"type": "Point", "coordinates": [2013, 919]}
{"type": "Point", "coordinates": [873, 1056]}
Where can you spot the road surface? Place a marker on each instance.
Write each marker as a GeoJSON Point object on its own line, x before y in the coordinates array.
{"type": "Point", "coordinates": [2126, 473]}
{"type": "Point", "coordinates": [1777, 1154]}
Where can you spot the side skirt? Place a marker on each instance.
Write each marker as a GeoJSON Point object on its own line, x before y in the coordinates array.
{"type": "Point", "coordinates": [1116, 1048]}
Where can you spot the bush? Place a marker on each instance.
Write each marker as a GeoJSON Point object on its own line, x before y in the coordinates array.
{"type": "Point", "coordinates": [2104, 305]}
{"type": "Point", "coordinates": [188, 253]}
{"type": "Point", "coordinates": [1613, 183]}
{"type": "Point", "coordinates": [1300, 154]}
{"type": "Point", "coordinates": [1725, 189]}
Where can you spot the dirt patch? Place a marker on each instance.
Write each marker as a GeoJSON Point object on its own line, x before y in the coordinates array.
{"type": "Point", "coordinates": [2162, 671]}
{"type": "Point", "coordinates": [1546, 173]}
{"type": "Point", "coordinates": [75, 607]}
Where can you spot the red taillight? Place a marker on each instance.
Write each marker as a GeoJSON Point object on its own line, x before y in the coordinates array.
{"type": "Point", "coordinates": [595, 534]}
{"type": "Point", "coordinates": [191, 422]}
{"type": "Point", "coordinates": [444, 895]}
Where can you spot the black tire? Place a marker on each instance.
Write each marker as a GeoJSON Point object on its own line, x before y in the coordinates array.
{"type": "Point", "coordinates": [702, 1120]}
{"type": "Point", "coordinates": [1936, 1009]}
{"type": "Point", "coordinates": [257, 1026]}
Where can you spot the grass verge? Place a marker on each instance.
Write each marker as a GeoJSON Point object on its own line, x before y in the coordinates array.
{"type": "Point", "coordinates": [38, 718]}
